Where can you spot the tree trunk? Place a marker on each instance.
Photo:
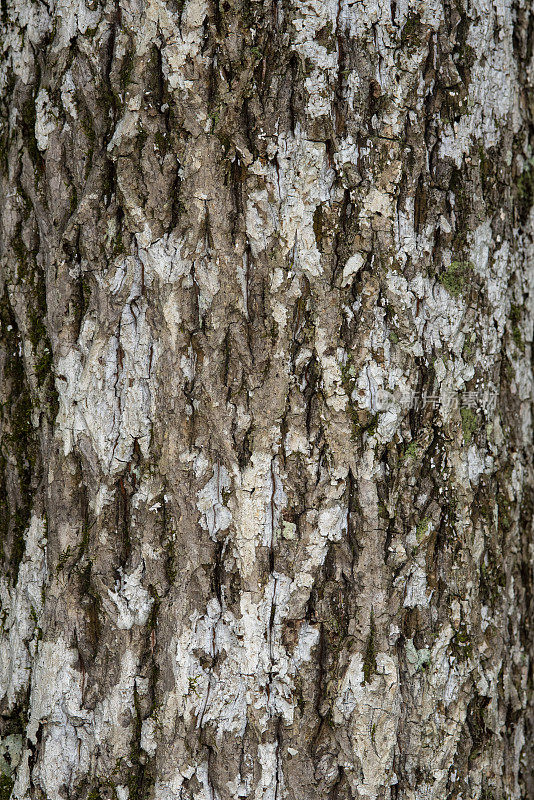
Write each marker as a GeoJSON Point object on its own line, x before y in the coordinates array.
{"type": "Point", "coordinates": [267, 305]}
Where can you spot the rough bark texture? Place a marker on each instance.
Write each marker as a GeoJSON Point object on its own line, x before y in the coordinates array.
{"type": "Point", "coordinates": [267, 485]}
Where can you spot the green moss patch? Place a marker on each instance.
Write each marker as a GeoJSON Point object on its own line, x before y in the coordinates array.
{"type": "Point", "coordinates": [456, 277]}
{"type": "Point", "coordinates": [369, 658]}
{"type": "Point", "coordinates": [6, 786]}
{"type": "Point", "coordinates": [469, 424]}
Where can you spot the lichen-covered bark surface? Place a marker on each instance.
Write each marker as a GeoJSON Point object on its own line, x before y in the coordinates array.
{"type": "Point", "coordinates": [267, 485]}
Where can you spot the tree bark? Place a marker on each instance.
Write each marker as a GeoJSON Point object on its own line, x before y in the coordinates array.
{"type": "Point", "coordinates": [267, 286]}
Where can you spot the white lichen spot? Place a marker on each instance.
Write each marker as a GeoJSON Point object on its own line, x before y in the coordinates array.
{"type": "Point", "coordinates": [148, 736]}
{"type": "Point", "coordinates": [289, 530]}
{"type": "Point", "coordinates": [416, 589]}
{"type": "Point", "coordinates": [271, 773]}
{"type": "Point", "coordinates": [104, 382]}
{"type": "Point", "coordinates": [417, 659]}
{"type": "Point", "coordinates": [215, 514]}
{"type": "Point", "coordinates": [68, 95]}
{"type": "Point", "coordinates": [370, 711]}
{"type": "Point", "coordinates": [22, 607]}
{"type": "Point", "coordinates": [352, 268]}
{"type": "Point", "coordinates": [10, 753]}
{"type": "Point", "coordinates": [45, 119]}
{"type": "Point", "coordinates": [56, 706]}
{"type": "Point", "coordinates": [133, 602]}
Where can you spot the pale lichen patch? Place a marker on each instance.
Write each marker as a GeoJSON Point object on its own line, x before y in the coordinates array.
{"type": "Point", "coordinates": [22, 610]}
{"type": "Point", "coordinates": [45, 119]}
{"type": "Point", "coordinates": [132, 601]}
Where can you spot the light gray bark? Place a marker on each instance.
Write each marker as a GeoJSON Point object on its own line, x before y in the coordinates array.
{"type": "Point", "coordinates": [267, 304]}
